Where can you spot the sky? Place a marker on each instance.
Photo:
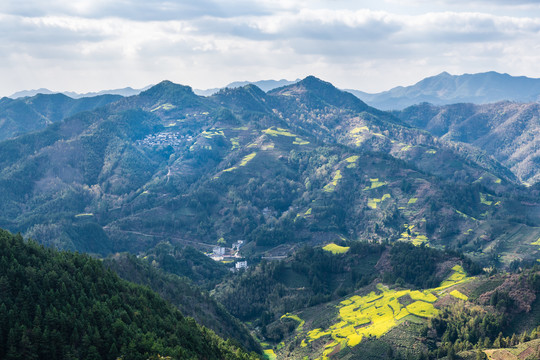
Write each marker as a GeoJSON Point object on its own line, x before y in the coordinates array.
{"type": "Point", "coordinates": [92, 45]}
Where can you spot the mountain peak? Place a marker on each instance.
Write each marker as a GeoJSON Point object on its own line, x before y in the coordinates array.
{"type": "Point", "coordinates": [320, 93]}
{"type": "Point", "coordinates": [28, 93]}
{"type": "Point", "coordinates": [168, 90]}
{"type": "Point", "coordinates": [167, 85]}
{"type": "Point", "coordinates": [444, 88]}
{"type": "Point", "coordinates": [309, 83]}
{"type": "Point", "coordinates": [264, 85]}
{"type": "Point", "coordinates": [444, 74]}
{"type": "Point", "coordinates": [248, 96]}
{"type": "Point", "coordinates": [311, 80]}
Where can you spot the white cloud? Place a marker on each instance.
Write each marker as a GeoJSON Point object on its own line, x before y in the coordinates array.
{"type": "Point", "coordinates": [91, 45]}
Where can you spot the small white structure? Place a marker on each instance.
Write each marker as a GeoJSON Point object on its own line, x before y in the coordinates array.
{"type": "Point", "coordinates": [237, 245]}
{"type": "Point", "coordinates": [241, 265]}
{"type": "Point", "coordinates": [219, 251]}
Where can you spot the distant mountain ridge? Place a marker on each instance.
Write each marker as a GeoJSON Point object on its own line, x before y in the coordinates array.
{"type": "Point", "coordinates": [22, 115]}
{"type": "Point", "coordinates": [264, 85]}
{"type": "Point", "coordinates": [443, 89]}
{"type": "Point", "coordinates": [507, 130]}
{"type": "Point", "coordinates": [127, 91]}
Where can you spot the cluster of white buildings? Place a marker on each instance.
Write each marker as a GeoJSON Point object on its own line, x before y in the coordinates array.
{"type": "Point", "coordinates": [174, 139]}
{"type": "Point", "coordinates": [221, 253]}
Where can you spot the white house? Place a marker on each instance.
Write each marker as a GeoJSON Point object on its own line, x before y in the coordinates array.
{"type": "Point", "coordinates": [241, 265]}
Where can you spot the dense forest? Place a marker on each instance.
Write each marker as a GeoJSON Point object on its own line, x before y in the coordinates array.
{"type": "Point", "coordinates": [62, 305]}
{"type": "Point", "coordinates": [180, 291]}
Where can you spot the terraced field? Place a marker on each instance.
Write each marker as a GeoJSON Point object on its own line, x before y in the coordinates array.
{"type": "Point", "coordinates": [414, 237]}
{"type": "Point", "coordinates": [332, 185]}
{"type": "Point", "coordinates": [377, 313]}
{"type": "Point", "coordinates": [375, 183]}
{"type": "Point", "coordinates": [336, 249]}
{"type": "Point", "coordinates": [372, 202]}
{"type": "Point", "coordinates": [283, 132]}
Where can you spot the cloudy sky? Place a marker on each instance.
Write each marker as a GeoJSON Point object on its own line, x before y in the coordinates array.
{"type": "Point", "coordinates": [89, 45]}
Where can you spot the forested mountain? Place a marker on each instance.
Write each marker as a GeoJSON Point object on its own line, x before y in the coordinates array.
{"type": "Point", "coordinates": [508, 131]}
{"type": "Point", "coordinates": [20, 116]}
{"type": "Point", "coordinates": [305, 163]}
{"type": "Point", "coordinates": [442, 89]}
{"type": "Point", "coordinates": [179, 291]}
{"type": "Point", "coordinates": [61, 305]}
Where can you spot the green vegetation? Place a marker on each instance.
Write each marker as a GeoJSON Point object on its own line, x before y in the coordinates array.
{"type": "Point", "coordinates": [24, 115]}
{"type": "Point", "coordinates": [270, 289]}
{"type": "Point", "coordinates": [483, 199]}
{"type": "Point", "coordinates": [57, 305]}
{"type": "Point", "coordinates": [235, 143]}
{"type": "Point", "coordinates": [300, 141]}
{"type": "Point", "coordinates": [413, 237]}
{"type": "Point", "coordinates": [295, 318]}
{"type": "Point", "coordinates": [457, 277]}
{"type": "Point", "coordinates": [247, 159]}
{"type": "Point", "coordinates": [496, 134]}
{"type": "Point", "coordinates": [186, 261]}
{"type": "Point", "coordinates": [191, 300]}
{"type": "Point", "coordinates": [84, 215]}
{"type": "Point", "coordinates": [417, 266]}
{"type": "Point", "coordinates": [375, 183]}
{"type": "Point", "coordinates": [165, 107]}
{"type": "Point", "coordinates": [302, 184]}
{"type": "Point", "coordinates": [359, 129]}
{"type": "Point", "coordinates": [372, 203]}
{"type": "Point", "coordinates": [332, 185]}
{"type": "Point", "coordinates": [278, 132]}
{"type": "Point", "coordinates": [374, 315]}
{"type": "Point", "coordinates": [269, 354]}
{"type": "Point", "coordinates": [459, 295]}
{"type": "Point", "coordinates": [212, 132]}
{"type": "Point", "coordinates": [517, 350]}
{"type": "Point", "coordinates": [336, 249]}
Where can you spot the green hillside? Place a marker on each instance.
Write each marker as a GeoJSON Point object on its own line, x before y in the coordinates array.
{"type": "Point", "coordinates": [20, 116]}
{"type": "Point", "coordinates": [377, 302]}
{"type": "Point", "coordinates": [504, 130]}
{"type": "Point", "coordinates": [179, 291]}
{"type": "Point", "coordinates": [62, 305]}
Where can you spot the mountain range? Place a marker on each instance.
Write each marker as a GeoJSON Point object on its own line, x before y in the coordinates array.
{"type": "Point", "coordinates": [127, 91]}
{"type": "Point", "coordinates": [507, 130]}
{"type": "Point", "coordinates": [443, 89]}
{"type": "Point", "coordinates": [265, 85]}
{"type": "Point", "coordinates": [19, 116]}
{"type": "Point", "coordinates": [277, 169]}
{"type": "Point", "coordinates": [365, 234]}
